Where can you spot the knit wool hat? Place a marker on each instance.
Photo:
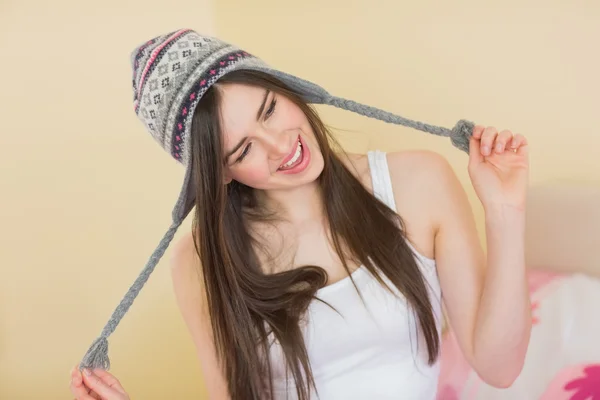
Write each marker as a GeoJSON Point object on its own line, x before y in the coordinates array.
{"type": "Point", "coordinates": [171, 73]}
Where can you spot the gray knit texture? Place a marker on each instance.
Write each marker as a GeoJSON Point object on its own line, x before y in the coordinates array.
{"type": "Point", "coordinates": [97, 354]}
{"type": "Point", "coordinates": [460, 135]}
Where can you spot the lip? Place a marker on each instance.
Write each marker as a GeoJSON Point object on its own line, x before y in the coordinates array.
{"type": "Point", "coordinates": [291, 155]}
{"type": "Point", "coordinates": [303, 164]}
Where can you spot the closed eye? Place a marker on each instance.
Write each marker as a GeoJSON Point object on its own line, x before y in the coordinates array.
{"type": "Point", "coordinates": [269, 113]}
{"type": "Point", "coordinates": [271, 109]}
{"type": "Point", "coordinates": [244, 153]}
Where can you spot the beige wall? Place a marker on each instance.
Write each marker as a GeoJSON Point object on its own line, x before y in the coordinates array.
{"type": "Point", "coordinates": [531, 67]}
{"type": "Point", "coordinates": [87, 195]}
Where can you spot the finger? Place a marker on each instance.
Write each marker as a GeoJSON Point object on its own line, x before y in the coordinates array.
{"type": "Point", "coordinates": [80, 392]}
{"type": "Point", "coordinates": [95, 383]}
{"type": "Point", "coordinates": [76, 377]}
{"type": "Point", "coordinates": [109, 379]}
{"type": "Point", "coordinates": [502, 140]}
{"type": "Point", "coordinates": [95, 395]}
{"type": "Point", "coordinates": [517, 140]}
{"type": "Point", "coordinates": [84, 396]}
{"type": "Point", "coordinates": [477, 131]}
{"type": "Point", "coordinates": [487, 140]}
{"type": "Point", "coordinates": [475, 156]}
{"type": "Point", "coordinates": [523, 149]}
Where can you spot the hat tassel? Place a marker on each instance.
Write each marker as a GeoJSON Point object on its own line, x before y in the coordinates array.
{"type": "Point", "coordinates": [97, 355]}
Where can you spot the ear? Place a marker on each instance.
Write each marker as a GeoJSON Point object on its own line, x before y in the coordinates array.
{"type": "Point", "coordinates": [227, 178]}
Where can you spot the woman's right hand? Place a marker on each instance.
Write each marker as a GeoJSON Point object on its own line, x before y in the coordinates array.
{"type": "Point", "coordinates": [97, 385]}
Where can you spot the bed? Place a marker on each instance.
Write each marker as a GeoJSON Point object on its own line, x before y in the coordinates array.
{"type": "Point", "coordinates": [563, 257]}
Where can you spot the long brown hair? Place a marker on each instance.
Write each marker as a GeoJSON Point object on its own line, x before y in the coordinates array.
{"type": "Point", "coordinates": [248, 306]}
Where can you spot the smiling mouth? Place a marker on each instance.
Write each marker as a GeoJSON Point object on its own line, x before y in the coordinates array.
{"type": "Point", "coordinates": [296, 158]}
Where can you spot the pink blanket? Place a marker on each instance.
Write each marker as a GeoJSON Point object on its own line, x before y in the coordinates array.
{"type": "Point", "coordinates": [563, 359]}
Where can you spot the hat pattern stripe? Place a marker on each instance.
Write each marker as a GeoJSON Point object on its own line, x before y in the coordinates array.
{"type": "Point", "coordinates": [211, 74]}
{"type": "Point", "coordinates": [182, 80]}
{"type": "Point", "coordinates": [141, 53]}
{"type": "Point", "coordinates": [159, 51]}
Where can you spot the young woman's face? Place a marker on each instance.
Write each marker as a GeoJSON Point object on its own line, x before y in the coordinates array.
{"type": "Point", "coordinates": [269, 143]}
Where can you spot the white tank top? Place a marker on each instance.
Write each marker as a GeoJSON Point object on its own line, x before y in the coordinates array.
{"type": "Point", "coordinates": [366, 353]}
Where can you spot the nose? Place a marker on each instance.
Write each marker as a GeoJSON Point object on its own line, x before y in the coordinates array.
{"type": "Point", "coordinates": [279, 144]}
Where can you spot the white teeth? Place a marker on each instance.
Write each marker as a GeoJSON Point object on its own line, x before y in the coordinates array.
{"type": "Point", "coordinates": [295, 158]}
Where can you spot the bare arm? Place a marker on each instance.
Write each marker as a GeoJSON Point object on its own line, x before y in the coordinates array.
{"type": "Point", "coordinates": [190, 296]}
{"type": "Point", "coordinates": [486, 296]}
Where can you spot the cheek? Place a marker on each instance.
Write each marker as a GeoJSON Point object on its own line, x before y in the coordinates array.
{"type": "Point", "coordinates": [252, 175]}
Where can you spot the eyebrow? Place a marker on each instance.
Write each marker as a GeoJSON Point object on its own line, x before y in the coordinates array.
{"type": "Point", "coordinates": [262, 106]}
{"type": "Point", "coordinates": [258, 114]}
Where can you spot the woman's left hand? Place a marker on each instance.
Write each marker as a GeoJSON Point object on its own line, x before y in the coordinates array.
{"type": "Point", "coordinates": [499, 167]}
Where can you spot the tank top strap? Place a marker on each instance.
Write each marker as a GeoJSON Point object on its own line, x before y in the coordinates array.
{"type": "Point", "coordinates": [380, 176]}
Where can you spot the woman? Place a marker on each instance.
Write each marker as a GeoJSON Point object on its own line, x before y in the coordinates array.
{"type": "Point", "coordinates": [311, 272]}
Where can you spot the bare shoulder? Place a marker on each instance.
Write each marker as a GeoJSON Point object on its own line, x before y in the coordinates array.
{"type": "Point", "coordinates": [190, 295]}
{"type": "Point", "coordinates": [412, 172]}
{"type": "Point", "coordinates": [183, 254]}
{"type": "Point", "coordinates": [186, 274]}
{"type": "Point", "coordinates": [185, 265]}
{"type": "Point", "coordinates": [420, 178]}
{"type": "Point", "coordinates": [415, 165]}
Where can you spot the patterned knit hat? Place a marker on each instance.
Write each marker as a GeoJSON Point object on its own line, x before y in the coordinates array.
{"type": "Point", "coordinates": [171, 73]}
